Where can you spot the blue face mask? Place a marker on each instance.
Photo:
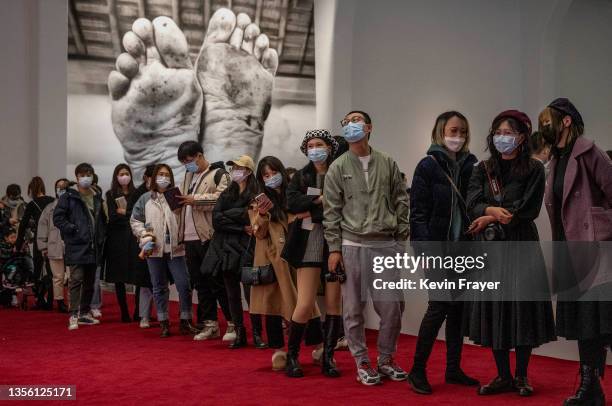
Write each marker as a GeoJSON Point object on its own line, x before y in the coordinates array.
{"type": "Point", "coordinates": [60, 192]}
{"type": "Point", "coordinates": [505, 144]}
{"type": "Point", "coordinates": [317, 155]}
{"type": "Point", "coordinates": [85, 182]}
{"type": "Point", "coordinates": [353, 132]}
{"type": "Point", "coordinates": [275, 181]}
{"type": "Point", "coordinates": [191, 166]}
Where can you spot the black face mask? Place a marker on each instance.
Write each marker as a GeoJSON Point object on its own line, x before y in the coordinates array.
{"type": "Point", "coordinates": [549, 134]}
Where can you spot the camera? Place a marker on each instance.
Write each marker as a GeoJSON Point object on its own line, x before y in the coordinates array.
{"type": "Point", "coordinates": [494, 232]}
{"type": "Point", "coordinates": [338, 276]}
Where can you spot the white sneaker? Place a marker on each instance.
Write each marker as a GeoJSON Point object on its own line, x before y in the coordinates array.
{"type": "Point", "coordinates": [88, 320]}
{"type": "Point", "coordinates": [279, 360]}
{"type": "Point", "coordinates": [73, 323]}
{"type": "Point", "coordinates": [96, 313]}
{"type": "Point", "coordinates": [230, 333]}
{"type": "Point", "coordinates": [144, 323]}
{"type": "Point", "coordinates": [210, 331]}
{"type": "Point", "coordinates": [342, 344]}
{"type": "Point", "coordinates": [317, 355]}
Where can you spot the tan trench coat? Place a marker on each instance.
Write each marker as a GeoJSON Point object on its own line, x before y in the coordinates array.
{"type": "Point", "coordinates": [278, 298]}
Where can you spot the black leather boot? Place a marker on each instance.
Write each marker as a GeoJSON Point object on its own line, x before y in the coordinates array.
{"type": "Point", "coordinates": [296, 332]}
{"type": "Point", "coordinates": [497, 385]}
{"type": "Point", "coordinates": [330, 331]}
{"type": "Point", "coordinates": [589, 392]}
{"type": "Point", "coordinates": [61, 306]}
{"type": "Point", "coordinates": [165, 328]}
{"type": "Point", "coordinates": [241, 340]}
{"type": "Point", "coordinates": [256, 326]}
{"type": "Point", "coordinates": [186, 328]}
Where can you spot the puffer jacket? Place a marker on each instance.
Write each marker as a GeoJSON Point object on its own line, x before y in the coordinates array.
{"type": "Point", "coordinates": [83, 234]}
{"type": "Point", "coordinates": [152, 210]}
{"type": "Point", "coordinates": [48, 237]}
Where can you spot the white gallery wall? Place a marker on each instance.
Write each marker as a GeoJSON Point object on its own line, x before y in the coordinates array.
{"type": "Point", "coordinates": [32, 102]}
{"type": "Point", "coordinates": [405, 62]}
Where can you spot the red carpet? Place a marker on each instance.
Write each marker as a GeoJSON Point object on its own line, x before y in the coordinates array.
{"type": "Point", "coordinates": [122, 364]}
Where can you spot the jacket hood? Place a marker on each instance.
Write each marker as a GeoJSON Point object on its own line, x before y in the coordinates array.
{"type": "Point", "coordinates": [439, 152]}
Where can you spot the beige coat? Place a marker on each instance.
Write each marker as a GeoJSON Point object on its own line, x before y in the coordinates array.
{"type": "Point", "coordinates": [205, 193]}
{"type": "Point", "coordinates": [278, 298]}
{"type": "Point", "coordinates": [48, 236]}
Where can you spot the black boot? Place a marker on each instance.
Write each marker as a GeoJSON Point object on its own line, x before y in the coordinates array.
{"type": "Point", "coordinates": [186, 328]}
{"type": "Point", "coordinates": [61, 306]}
{"type": "Point", "coordinates": [590, 392]}
{"type": "Point", "coordinates": [417, 379]}
{"type": "Point", "coordinates": [165, 328]}
{"type": "Point", "coordinates": [258, 342]}
{"type": "Point", "coordinates": [497, 385]}
{"type": "Point", "coordinates": [241, 340]}
{"type": "Point", "coordinates": [296, 332]}
{"type": "Point", "coordinates": [331, 332]}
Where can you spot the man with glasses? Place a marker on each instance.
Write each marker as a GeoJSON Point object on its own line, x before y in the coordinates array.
{"type": "Point", "coordinates": [366, 214]}
{"type": "Point", "coordinates": [201, 187]}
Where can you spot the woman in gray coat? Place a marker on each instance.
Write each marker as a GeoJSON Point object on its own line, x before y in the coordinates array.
{"type": "Point", "coordinates": [49, 242]}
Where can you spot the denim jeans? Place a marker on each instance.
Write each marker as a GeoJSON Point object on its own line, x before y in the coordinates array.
{"type": "Point", "coordinates": [158, 268]}
{"type": "Point", "coordinates": [81, 287]}
{"type": "Point", "coordinates": [96, 300]}
{"type": "Point", "coordinates": [145, 302]}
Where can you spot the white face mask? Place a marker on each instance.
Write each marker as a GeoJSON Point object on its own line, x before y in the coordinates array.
{"type": "Point", "coordinates": [238, 175]}
{"type": "Point", "coordinates": [163, 181]}
{"type": "Point", "coordinates": [454, 143]}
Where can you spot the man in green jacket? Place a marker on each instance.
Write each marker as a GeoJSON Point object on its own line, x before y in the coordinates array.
{"type": "Point", "coordinates": [366, 215]}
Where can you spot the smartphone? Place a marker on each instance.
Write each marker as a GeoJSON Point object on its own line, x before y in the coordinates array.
{"type": "Point", "coordinates": [262, 199]}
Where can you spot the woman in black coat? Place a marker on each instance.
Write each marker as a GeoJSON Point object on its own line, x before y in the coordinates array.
{"type": "Point", "coordinates": [29, 223]}
{"type": "Point", "coordinates": [122, 264]}
{"type": "Point", "coordinates": [511, 200]}
{"type": "Point", "coordinates": [233, 244]}
{"type": "Point", "coordinates": [438, 213]}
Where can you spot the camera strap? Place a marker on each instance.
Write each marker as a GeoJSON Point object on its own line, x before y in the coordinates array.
{"type": "Point", "coordinates": [494, 184]}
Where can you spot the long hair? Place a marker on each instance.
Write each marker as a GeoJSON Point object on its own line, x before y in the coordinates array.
{"type": "Point", "coordinates": [279, 211]}
{"type": "Point", "coordinates": [36, 187]}
{"type": "Point", "coordinates": [154, 177]}
{"type": "Point", "coordinates": [116, 189]}
{"type": "Point", "coordinates": [522, 163]}
{"type": "Point", "coordinates": [437, 134]}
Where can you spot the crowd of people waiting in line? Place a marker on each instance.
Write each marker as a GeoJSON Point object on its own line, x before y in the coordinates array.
{"type": "Point", "coordinates": [280, 238]}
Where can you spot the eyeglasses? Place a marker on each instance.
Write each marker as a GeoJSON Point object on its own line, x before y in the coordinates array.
{"type": "Point", "coordinates": [354, 119]}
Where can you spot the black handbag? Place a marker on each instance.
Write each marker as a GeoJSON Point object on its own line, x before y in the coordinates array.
{"type": "Point", "coordinates": [257, 275]}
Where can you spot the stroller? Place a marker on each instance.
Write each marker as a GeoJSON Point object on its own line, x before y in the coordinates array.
{"type": "Point", "coordinates": [17, 274]}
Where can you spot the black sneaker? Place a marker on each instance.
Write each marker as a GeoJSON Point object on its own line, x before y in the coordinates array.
{"type": "Point", "coordinates": [459, 377]}
{"type": "Point", "coordinates": [367, 375]}
{"type": "Point", "coordinates": [419, 383]}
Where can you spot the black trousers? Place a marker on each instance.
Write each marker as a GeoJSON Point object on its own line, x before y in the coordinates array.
{"type": "Point", "coordinates": [234, 297]}
{"type": "Point", "coordinates": [435, 315]}
{"type": "Point", "coordinates": [42, 276]}
{"type": "Point", "coordinates": [274, 331]}
{"type": "Point", "coordinates": [210, 289]}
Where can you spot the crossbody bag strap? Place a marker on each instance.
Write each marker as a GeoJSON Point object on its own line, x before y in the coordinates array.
{"type": "Point", "coordinates": [450, 180]}
{"type": "Point", "coordinates": [494, 184]}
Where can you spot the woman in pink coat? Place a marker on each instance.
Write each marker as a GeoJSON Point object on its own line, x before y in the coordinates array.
{"type": "Point", "coordinates": [578, 199]}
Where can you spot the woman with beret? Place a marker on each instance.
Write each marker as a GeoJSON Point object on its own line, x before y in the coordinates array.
{"type": "Point", "coordinates": [506, 190]}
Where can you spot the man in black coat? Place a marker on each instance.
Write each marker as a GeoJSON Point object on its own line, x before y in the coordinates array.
{"type": "Point", "coordinates": [81, 221]}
